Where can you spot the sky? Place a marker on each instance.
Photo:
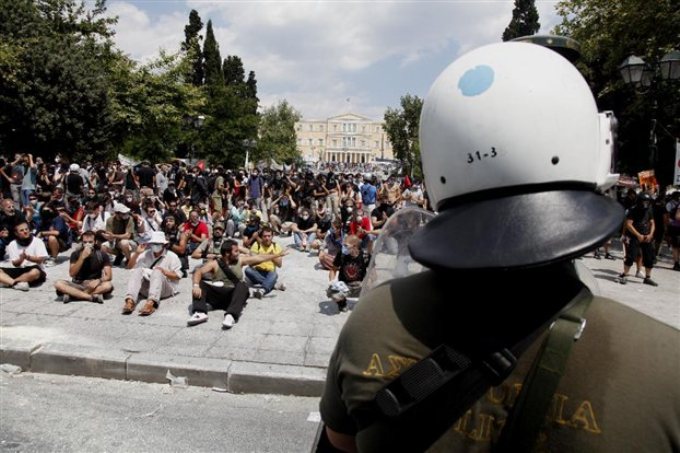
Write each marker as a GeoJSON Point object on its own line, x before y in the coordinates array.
{"type": "Point", "coordinates": [327, 58]}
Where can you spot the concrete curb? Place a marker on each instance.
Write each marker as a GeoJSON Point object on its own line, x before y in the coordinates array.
{"type": "Point", "coordinates": [232, 376]}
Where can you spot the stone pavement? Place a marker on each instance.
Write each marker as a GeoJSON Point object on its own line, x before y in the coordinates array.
{"type": "Point", "coordinates": [281, 344]}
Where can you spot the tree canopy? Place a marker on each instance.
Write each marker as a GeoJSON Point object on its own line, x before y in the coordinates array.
{"type": "Point", "coordinates": [277, 139]}
{"type": "Point", "coordinates": [402, 127]}
{"type": "Point", "coordinates": [524, 20]}
{"type": "Point", "coordinates": [608, 33]}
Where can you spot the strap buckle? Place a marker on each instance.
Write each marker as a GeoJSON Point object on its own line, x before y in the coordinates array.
{"type": "Point", "coordinates": [499, 365]}
{"type": "Point", "coordinates": [577, 320]}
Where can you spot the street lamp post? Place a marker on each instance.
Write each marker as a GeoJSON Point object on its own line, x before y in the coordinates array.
{"type": "Point", "coordinates": [248, 144]}
{"type": "Point", "coordinates": [645, 76]}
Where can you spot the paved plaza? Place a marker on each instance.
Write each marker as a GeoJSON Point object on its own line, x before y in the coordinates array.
{"type": "Point", "coordinates": [281, 344]}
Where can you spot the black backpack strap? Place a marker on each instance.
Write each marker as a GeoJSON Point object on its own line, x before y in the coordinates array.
{"type": "Point", "coordinates": [528, 414]}
{"type": "Point", "coordinates": [228, 272]}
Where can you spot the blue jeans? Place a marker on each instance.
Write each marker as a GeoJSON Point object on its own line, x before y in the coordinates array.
{"type": "Point", "coordinates": [265, 278]}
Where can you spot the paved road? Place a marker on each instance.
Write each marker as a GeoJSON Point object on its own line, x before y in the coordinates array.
{"type": "Point", "coordinates": [280, 346]}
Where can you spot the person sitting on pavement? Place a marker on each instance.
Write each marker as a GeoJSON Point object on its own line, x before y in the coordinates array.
{"type": "Point", "coordinates": [9, 218]}
{"type": "Point", "coordinates": [177, 241]}
{"type": "Point", "coordinates": [304, 230]}
{"type": "Point", "coordinates": [332, 244]}
{"type": "Point", "coordinates": [26, 254]}
{"type": "Point", "coordinates": [196, 230]}
{"type": "Point", "coordinates": [348, 271]}
{"type": "Point", "coordinates": [54, 232]}
{"type": "Point", "coordinates": [264, 273]}
{"type": "Point", "coordinates": [156, 273]}
{"type": "Point", "coordinates": [120, 229]}
{"type": "Point", "coordinates": [210, 249]}
{"type": "Point", "coordinates": [90, 271]}
{"type": "Point", "coordinates": [226, 288]}
{"type": "Point", "coordinates": [236, 222]}
{"type": "Point", "coordinates": [95, 217]}
{"type": "Point", "coordinates": [252, 229]}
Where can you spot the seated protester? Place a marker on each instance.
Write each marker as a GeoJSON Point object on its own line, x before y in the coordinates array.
{"type": "Point", "coordinates": [90, 271]}
{"type": "Point", "coordinates": [9, 218]}
{"type": "Point", "coordinates": [346, 212]}
{"type": "Point", "coordinates": [120, 229]}
{"type": "Point", "coordinates": [361, 227]}
{"type": "Point", "coordinates": [226, 288]}
{"type": "Point", "coordinates": [74, 216]}
{"type": "Point", "coordinates": [380, 214]}
{"type": "Point", "coordinates": [349, 267]}
{"type": "Point", "coordinates": [196, 231]}
{"type": "Point", "coordinates": [54, 231]}
{"type": "Point", "coordinates": [95, 217]}
{"type": "Point", "coordinates": [177, 241]}
{"type": "Point", "coordinates": [332, 244]}
{"type": "Point", "coordinates": [252, 229]}
{"type": "Point", "coordinates": [304, 229]}
{"type": "Point", "coordinates": [238, 215]}
{"type": "Point", "coordinates": [156, 273]}
{"type": "Point", "coordinates": [26, 254]}
{"type": "Point", "coordinates": [175, 211]}
{"type": "Point", "coordinates": [151, 221]}
{"type": "Point", "coordinates": [32, 211]}
{"type": "Point", "coordinates": [205, 217]}
{"type": "Point", "coordinates": [282, 213]}
{"type": "Point", "coordinates": [324, 219]}
{"type": "Point", "coordinates": [170, 193]}
{"type": "Point", "coordinates": [210, 249]}
{"type": "Point", "coordinates": [264, 273]}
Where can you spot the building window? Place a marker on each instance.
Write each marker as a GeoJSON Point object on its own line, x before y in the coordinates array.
{"type": "Point", "coordinates": [376, 143]}
{"type": "Point", "coordinates": [310, 142]}
{"type": "Point", "coordinates": [354, 127]}
{"type": "Point", "coordinates": [363, 143]}
{"type": "Point", "coordinates": [354, 141]}
{"type": "Point", "coordinates": [321, 142]}
{"type": "Point", "coordinates": [335, 127]}
{"type": "Point", "coordinates": [363, 128]}
{"type": "Point", "coordinates": [335, 143]}
{"type": "Point", "coordinates": [321, 127]}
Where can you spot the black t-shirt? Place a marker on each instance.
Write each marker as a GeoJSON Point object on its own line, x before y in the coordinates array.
{"type": "Point", "coordinates": [74, 183]}
{"type": "Point", "coordinates": [92, 266]}
{"type": "Point", "coordinates": [352, 268]}
{"type": "Point", "coordinates": [146, 176]}
{"type": "Point", "coordinates": [642, 218]}
{"type": "Point", "coordinates": [378, 213]}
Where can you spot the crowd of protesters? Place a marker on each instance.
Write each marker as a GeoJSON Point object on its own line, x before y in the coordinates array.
{"type": "Point", "coordinates": [151, 218]}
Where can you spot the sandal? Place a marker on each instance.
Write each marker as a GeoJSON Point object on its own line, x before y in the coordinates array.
{"type": "Point", "coordinates": [129, 306]}
{"type": "Point", "coordinates": [148, 309]}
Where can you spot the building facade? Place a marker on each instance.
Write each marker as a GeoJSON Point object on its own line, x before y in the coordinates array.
{"type": "Point", "coordinates": [347, 138]}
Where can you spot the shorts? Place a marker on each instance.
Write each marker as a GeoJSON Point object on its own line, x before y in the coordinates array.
{"type": "Point", "coordinates": [80, 286]}
{"type": "Point", "coordinates": [15, 272]}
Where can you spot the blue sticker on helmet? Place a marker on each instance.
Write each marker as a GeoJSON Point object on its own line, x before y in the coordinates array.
{"type": "Point", "coordinates": [476, 81]}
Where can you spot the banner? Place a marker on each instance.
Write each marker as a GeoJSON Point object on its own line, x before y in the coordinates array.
{"type": "Point", "coordinates": [648, 180]}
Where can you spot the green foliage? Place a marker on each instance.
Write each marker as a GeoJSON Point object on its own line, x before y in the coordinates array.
{"type": "Point", "coordinates": [524, 20]}
{"type": "Point", "coordinates": [54, 95]}
{"type": "Point", "coordinates": [192, 47]}
{"type": "Point", "coordinates": [608, 33]}
{"type": "Point", "coordinates": [277, 139]}
{"type": "Point", "coordinates": [212, 58]}
{"type": "Point", "coordinates": [402, 128]}
{"type": "Point", "coordinates": [234, 74]}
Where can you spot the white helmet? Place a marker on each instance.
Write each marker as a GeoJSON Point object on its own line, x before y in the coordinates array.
{"type": "Point", "coordinates": [74, 168]}
{"type": "Point", "coordinates": [512, 153]}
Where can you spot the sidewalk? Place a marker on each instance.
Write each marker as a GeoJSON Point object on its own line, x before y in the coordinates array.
{"type": "Point", "coordinates": [281, 345]}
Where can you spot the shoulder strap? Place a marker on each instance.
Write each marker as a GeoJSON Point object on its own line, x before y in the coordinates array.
{"type": "Point", "coordinates": [228, 272]}
{"type": "Point", "coordinates": [449, 381]}
{"type": "Point", "coordinates": [528, 414]}
{"type": "Point", "coordinates": [157, 261]}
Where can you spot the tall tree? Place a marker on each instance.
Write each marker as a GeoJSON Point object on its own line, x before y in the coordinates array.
{"type": "Point", "coordinates": [277, 139]}
{"type": "Point", "coordinates": [192, 47]}
{"type": "Point", "coordinates": [251, 87]}
{"type": "Point", "coordinates": [212, 58]}
{"type": "Point", "coordinates": [234, 74]}
{"type": "Point", "coordinates": [608, 33]}
{"type": "Point", "coordinates": [56, 57]}
{"type": "Point", "coordinates": [402, 127]}
{"type": "Point", "coordinates": [524, 20]}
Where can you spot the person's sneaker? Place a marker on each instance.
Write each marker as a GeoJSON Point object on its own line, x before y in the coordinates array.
{"type": "Point", "coordinates": [66, 298]}
{"type": "Point", "coordinates": [622, 279]}
{"type": "Point", "coordinates": [650, 282]}
{"type": "Point", "coordinates": [21, 286]}
{"type": "Point", "coordinates": [50, 262]}
{"type": "Point", "coordinates": [342, 305]}
{"type": "Point", "coordinates": [98, 299]}
{"type": "Point", "coordinates": [676, 266]}
{"type": "Point", "coordinates": [638, 274]}
{"type": "Point", "coordinates": [197, 318]}
{"type": "Point", "coordinates": [280, 286]}
{"type": "Point", "coordinates": [597, 256]}
{"type": "Point", "coordinates": [609, 256]}
{"type": "Point", "coordinates": [257, 294]}
{"type": "Point", "coordinates": [228, 322]}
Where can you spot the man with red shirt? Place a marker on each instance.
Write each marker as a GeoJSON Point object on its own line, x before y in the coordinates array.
{"type": "Point", "coordinates": [196, 230]}
{"type": "Point", "coordinates": [360, 226]}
